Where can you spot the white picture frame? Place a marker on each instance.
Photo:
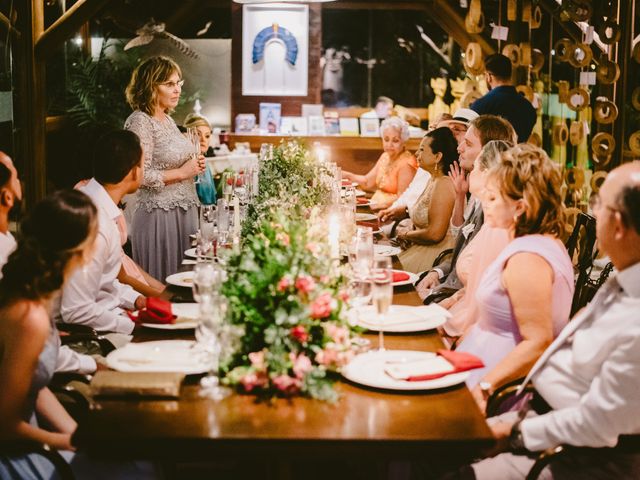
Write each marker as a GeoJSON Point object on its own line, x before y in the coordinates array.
{"type": "Point", "coordinates": [275, 49]}
{"type": "Point", "coordinates": [296, 126]}
{"type": "Point", "coordinates": [316, 125]}
{"type": "Point", "coordinates": [369, 127]}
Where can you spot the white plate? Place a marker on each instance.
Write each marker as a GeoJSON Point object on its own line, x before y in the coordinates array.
{"type": "Point", "coordinates": [385, 250]}
{"type": "Point", "coordinates": [364, 204]}
{"type": "Point", "coordinates": [181, 279]}
{"type": "Point", "coordinates": [352, 184]}
{"type": "Point", "coordinates": [403, 318]}
{"type": "Point", "coordinates": [360, 193]}
{"type": "Point", "coordinates": [365, 217]}
{"type": "Point", "coordinates": [369, 369]}
{"type": "Point", "coordinates": [187, 318]}
{"type": "Point", "coordinates": [162, 356]}
{"type": "Point", "coordinates": [410, 281]}
{"type": "Point", "coordinates": [191, 253]}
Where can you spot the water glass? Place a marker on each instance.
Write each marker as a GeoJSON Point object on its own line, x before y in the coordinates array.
{"type": "Point", "coordinates": [223, 221]}
{"type": "Point", "coordinates": [207, 279]}
{"type": "Point", "coordinates": [359, 290]}
{"type": "Point", "coordinates": [382, 292]}
{"type": "Point", "coordinates": [361, 251]}
{"type": "Point", "coordinates": [208, 217]}
{"type": "Point", "coordinates": [211, 338]}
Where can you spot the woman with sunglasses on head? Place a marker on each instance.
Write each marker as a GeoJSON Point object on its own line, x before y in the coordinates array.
{"type": "Point", "coordinates": [166, 206]}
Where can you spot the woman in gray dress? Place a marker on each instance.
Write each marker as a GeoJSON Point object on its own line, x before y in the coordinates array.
{"type": "Point", "coordinates": [166, 206]}
{"type": "Point", "coordinates": [57, 237]}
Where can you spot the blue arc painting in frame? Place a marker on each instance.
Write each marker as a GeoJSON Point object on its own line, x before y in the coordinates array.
{"type": "Point", "coordinates": [275, 48]}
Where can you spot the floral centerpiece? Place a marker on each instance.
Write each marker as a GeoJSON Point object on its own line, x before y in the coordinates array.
{"type": "Point", "coordinates": [284, 291]}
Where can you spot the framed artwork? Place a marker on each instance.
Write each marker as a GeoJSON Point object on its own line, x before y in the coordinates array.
{"type": "Point", "coordinates": [369, 127]}
{"type": "Point", "coordinates": [293, 126]}
{"type": "Point", "coordinates": [270, 117]}
{"type": "Point", "coordinates": [349, 127]}
{"type": "Point", "coordinates": [275, 49]}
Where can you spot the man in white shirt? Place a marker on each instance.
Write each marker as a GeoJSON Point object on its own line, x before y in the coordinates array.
{"type": "Point", "coordinates": [93, 296]}
{"type": "Point", "coordinates": [589, 376]}
{"type": "Point", "coordinates": [10, 197]}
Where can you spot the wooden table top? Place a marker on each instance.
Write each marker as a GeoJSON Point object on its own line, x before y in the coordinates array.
{"type": "Point", "coordinates": [365, 423]}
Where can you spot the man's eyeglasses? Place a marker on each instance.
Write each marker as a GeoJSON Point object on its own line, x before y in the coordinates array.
{"type": "Point", "coordinates": [179, 83]}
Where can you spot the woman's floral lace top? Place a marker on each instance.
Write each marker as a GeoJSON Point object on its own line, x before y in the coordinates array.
{"type": "Point", "coordinates": [165, 148]}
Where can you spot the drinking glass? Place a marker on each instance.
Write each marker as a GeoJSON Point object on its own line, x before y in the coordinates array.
{"type": "Point", "coordinates": [359, 290]}
{"type": "Point", "coordinates": [228, 182]}
{"type": "Point", "coordinates": [208, 217]}
{"type": "Point", "coordinates": [210, 336]}
{"type": "Point", "coordinates": [382, 292]}
{"type": "Point", "coordinates": [223, 221]}
{"type": "Point", "coordinates": [361, 251]}
{"type": "Point", "coordinates": [194, 139]}
{"type": "Point", "coordinates": [207, 278]}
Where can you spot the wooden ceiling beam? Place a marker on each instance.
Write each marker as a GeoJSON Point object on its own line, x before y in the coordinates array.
{"type": "Point", "coordinates": [68, 24]}
{"type": "Point", "coordinates": [6, 24]}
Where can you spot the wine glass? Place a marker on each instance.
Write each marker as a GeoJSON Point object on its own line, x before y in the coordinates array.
{"type": "Point", "coordinates": [223, 221]}
{"type": "Point", "coordinates": [382, 292]}
{"type": "Point", "coordinates": [211, 337]}
{"type": "Point", "coordinates": [228, 182]}
{"type": "Point", "coordinates": [207, 278]}
{"type": "Point", "coordinates": [194, 139]}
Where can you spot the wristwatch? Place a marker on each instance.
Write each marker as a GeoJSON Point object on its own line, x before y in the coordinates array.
{"type": "Point", "coordinates": [486, 388]}
{"type": "Point", "coordinates": [516, 442]}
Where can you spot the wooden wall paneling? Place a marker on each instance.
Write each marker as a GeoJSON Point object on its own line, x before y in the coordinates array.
{"type": "Point", "coordinates": [291, 106]}
{"type": "Point", "coordinates": [625, 84]}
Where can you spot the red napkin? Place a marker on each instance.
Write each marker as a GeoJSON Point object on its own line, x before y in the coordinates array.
{"type": "Point", "coordinates": [400, 277]}
{"type": "Point", "coordinates": [156, 311]}
{"type": "Point", "coordinates": [373, 225]}
{"type": "Point", "coordinates": [362, 200]}
{"type": "Point", "coordinates": [346, 183]}
{"type": "Point", "coordinates": [461, 361]}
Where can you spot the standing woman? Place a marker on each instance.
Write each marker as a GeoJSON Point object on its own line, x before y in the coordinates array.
{"type": "Point", "coordinates": [57, 237]}
{"type": "Point", "coordinates": [166, 210]}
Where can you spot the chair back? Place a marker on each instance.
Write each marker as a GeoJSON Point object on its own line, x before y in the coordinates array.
{"type": "Point", "coordinates": [581, 249]}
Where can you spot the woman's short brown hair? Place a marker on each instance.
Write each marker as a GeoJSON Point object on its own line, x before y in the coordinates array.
{"type": "Point", "coordinates": [141, 91]}
{"type": "Point", "coordinates": [525, 172]}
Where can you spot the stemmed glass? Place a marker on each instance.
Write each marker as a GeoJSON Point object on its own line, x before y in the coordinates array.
{"type": "Point", "coordinates": [361, 251]}
{"type": "Point", "coordinates": [382, 293]}
{"type": "Point", "coordinates": [211, 337]}
{"type": "Point", "coordinates": [207, 279]}
{"type": "Point", "coordinates": [194, 138]}
{"type": "Point", "coordinates": [223, 221]}
{"type": "Point", "coordinates": [228, 182]}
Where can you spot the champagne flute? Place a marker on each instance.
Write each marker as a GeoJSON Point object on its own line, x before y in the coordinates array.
{"type": "Point", "coordinates": [194, 138]}
{"type": "Point", "coordinates": [382, 293]}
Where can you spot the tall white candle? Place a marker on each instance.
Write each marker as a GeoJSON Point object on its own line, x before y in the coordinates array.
{"type": "Point", "coordinates": [236, 216]}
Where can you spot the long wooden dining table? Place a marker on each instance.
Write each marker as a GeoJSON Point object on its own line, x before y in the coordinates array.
{"type": "Point", "coordinates": [364, 423]}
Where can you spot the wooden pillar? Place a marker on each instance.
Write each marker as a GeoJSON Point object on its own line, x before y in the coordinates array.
{"type": "Point", "coordinates": [33, 106]}
{"type": "Point", "coordinates": [625, 84]}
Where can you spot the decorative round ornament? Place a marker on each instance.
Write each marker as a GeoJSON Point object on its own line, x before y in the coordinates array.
{"type": "Point", "coordinates": [571, 216]}
{"type": "Point", "coordinates": [512, 52]}
{"type": "Point", "coordinates": [574, 178]}
{"type": "Point", "coordinates": [560, 134]}
{"type": "Point", "coordinates": [473, 56]}
{"type": "Point", "coordinates": [577, 10]}
{"type": "Point", "coordinates": [635, 97]}
{"type": "Point", "coordinates": [597, 179]}
{"type": "Point", "coordinates": [636, 52]}
{"type": "Point", "coordinates": [525, 54]}
{"type": "Point", "coordinates": [536, 18]}
{"type": "Point", "coordinates": [605, 111]}
{"type": "Point", "coordinates": [603, 144]}
{"type": "Point", "coordinates": [577, 99]}
{"type": "Point", "coordinates": [563, 91]}
{"type": "Point", "coordinates": [607, 71]}
{"type": "Point", "coordinates": [472, 26]}
{"type": "Point", "coordinates": [609, 31]}
{"type": "Point", "coordinates": [576, 133]}
{"type": "Point", "coordinates": [537, 60]}
{"type": "Point", "coordinates": [634, 142]}
{"type": "Point", "coordinates": [563, 49]}
{"type": "Point", "coordinates": [580, 55]}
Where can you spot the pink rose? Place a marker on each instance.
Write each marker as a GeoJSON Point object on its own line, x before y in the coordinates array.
{"type": "Point", "coordinates": [299, 333]}
{"type": "Point", "coordinates": [283, 238]}
{"type": "Point", "coordinates": [301, 365]}
{"type": "Point", "coordinates": [284, 284]}
{"type": "Point", "coordinates": [253, 380]}
{"type": "Point", "coordinates": [257, 360]}
{"type": "Point", "coordinates": [338, 334]}
{"type": "Point", "coordinates": [312, 247]}
{"type": "Point", "coordinates": [321, 306]}
{"type": "Point", "coordinates": [324, 279]}
{"type": "Point", "coordinates": [343, 295]}
{"type": "Point", "coordinates": [286, 384]}
{"type": "Point", "coordinates": [305, 284]}
{"type": "Point", "coordinates": [327, 357]}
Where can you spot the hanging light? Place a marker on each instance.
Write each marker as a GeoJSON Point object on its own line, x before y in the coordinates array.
{"type": "Point", "coordinates": [256, 2]}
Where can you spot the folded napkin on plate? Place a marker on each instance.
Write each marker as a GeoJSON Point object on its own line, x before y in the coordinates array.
{"type": "Point", "coordinates": [445, 363]}
{"type": "Point", "coordinates": [362, 200]}
{"type": "Point", "coordinates": [373, 225]}
{"type": "Point", "coordinates": [108, 383]}
{"type": "Point", "coordinates": [156, 311]}
{"type": "Point", "coordinates": [400, 277]}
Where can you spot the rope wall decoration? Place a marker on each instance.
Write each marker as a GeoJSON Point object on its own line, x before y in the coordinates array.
{"type": "Point", "coordinates": [275, 33]}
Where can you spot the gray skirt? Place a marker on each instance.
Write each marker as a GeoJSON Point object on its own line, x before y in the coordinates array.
{"type": "Point", "coordinates": [160, 238]}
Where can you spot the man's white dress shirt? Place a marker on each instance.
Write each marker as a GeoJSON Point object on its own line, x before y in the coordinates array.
{"type": "Point", "coordinates": [68, 360]}
{"type": "Point", "coordinates": [93, 296]}
{"type": "Point", "coordinates": [590, 375]}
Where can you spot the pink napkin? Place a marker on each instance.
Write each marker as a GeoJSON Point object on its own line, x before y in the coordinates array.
{"type": "Point", "coordinates": [461, 361]}
{"type": "Point", "coordinates": [362, 200]}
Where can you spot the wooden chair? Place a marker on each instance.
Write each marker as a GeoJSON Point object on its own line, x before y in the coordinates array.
{"type": "Point", "coordinates": [626, 443]}
{"type": "Point", "coordinates": [24, 447]}
{"type": "Point", "coordinates": [581, 248]}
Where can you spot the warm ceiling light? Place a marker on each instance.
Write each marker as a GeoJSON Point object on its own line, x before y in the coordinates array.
{"type": "Point", "coordinates": [281, 1]}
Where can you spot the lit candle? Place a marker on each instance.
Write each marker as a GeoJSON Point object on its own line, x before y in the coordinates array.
{"type": "Point", "coordinates": [334, 235]}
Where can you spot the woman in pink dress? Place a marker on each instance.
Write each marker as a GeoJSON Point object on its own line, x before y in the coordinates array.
{"type": "Point", "coordinates": [524, 296]}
